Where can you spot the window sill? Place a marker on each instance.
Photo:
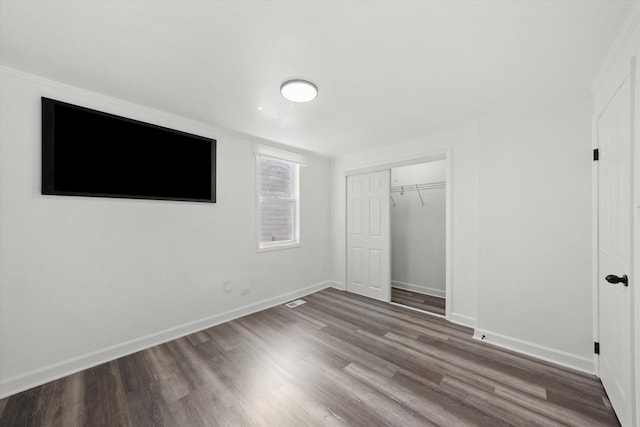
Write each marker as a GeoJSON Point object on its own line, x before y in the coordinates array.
{"type": "Point", "coordinates": [279, 247]}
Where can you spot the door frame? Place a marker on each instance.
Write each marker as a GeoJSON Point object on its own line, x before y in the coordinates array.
{"type": "Point", "coordinates": [440, 154]}
{"type": "Point", "coordinates": [630, 74]}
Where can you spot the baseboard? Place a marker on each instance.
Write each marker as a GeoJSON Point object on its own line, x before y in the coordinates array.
{"type": "Point", "coordinates": [463, 320]}
{"type": "Point", "coordinates": [337, 285]}
{"type": "Point", "coordinates": [419, 289]}
{"type": "Point", "coordinates": [36, 377]}
{"type": "Point", "coordinates": [568, 360]}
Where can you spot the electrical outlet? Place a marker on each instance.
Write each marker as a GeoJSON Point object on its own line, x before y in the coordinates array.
{"type": "Point", "coordinates": [245, 291]}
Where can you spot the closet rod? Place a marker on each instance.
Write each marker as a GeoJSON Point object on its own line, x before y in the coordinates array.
{"type": "Point", "coordinates": [418, 187]}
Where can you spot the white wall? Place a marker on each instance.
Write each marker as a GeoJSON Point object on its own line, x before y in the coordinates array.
{"type": "Point", "coordinates": [421, 173]}
{"type": "Point", "coordinates": [84, 280]}
{"type": "Point", "coordinates": [418, 231]}
{"type": "Point", "coordinates": [463, 185]}
{"type": "Point", "coordinates": [535, 231]}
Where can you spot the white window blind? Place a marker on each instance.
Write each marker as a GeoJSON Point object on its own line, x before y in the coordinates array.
{"type": "Point", "coordinates": [278, 202]}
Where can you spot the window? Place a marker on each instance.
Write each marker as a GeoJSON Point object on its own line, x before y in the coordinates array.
{"type": "Point", "coordinates": [278, 204]}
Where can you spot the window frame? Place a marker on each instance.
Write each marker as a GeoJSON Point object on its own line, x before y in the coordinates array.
{"type": "Point", "coordinates": [295, 200]}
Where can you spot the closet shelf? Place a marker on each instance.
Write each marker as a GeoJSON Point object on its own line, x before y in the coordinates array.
{"type": "Point", "coordinates": [416, 187]}
{"type": "Point", "coordinates": [419, 187]}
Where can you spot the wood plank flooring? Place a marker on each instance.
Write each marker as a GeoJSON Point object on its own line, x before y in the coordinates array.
{"type": "Point", "coordinates": [339, 359]}
{"type": "Point", "coordinates": [419, 301]}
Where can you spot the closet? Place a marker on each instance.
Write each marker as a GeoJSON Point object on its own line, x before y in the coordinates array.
{"type": "Point", "coordinates": [418, 236]}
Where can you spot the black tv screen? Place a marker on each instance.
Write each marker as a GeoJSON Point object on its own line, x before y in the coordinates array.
{"type": "Point", "coordinates": [90, 153]}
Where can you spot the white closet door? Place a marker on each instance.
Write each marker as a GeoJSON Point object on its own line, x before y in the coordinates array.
{"type": "Point", "coordinates": [369, 235]}
{"type": "Point", "coordinates": [614, 249]}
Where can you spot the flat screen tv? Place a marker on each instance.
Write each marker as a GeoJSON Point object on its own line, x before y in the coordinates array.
{"type": "Point", "coordinates": [90, 153]}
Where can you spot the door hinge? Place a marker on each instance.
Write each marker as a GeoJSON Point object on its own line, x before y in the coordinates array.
{"type": "Point", "coordinates": [596, 154]}
{"type": "Point", "coordinates": [596, 347]}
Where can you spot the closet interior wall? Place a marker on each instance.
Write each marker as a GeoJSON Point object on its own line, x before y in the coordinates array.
{"type": "Point", "coordinates": [418, 228]}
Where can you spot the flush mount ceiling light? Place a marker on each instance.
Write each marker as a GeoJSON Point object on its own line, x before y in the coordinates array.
{"type": "Point", "coordinates": [299, 90]}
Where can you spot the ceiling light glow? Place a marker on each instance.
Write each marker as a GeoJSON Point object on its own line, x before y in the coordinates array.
{"type": "Point", "coordinates": [299, 90]}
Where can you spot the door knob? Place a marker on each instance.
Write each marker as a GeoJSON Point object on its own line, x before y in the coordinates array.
{"type": "Point", "coordinates": [612, 278]}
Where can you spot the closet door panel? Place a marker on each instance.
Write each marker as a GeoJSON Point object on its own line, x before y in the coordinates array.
{"type": "Point", "coordinates": [369, 235]}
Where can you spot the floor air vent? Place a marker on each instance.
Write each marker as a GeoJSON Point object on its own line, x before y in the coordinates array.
{"type": "Point", "coordinates": [294, 304]}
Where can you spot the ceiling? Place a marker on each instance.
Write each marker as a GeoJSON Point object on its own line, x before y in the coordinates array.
{"type": "Point", "coordinates": [387, 71]}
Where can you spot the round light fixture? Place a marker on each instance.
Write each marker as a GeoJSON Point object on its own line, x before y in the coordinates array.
{"type": "Point", "coordinates": [299, 90]}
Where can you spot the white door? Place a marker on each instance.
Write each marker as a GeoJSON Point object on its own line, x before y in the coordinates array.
{"type": "Point", "coordinates": [614, 249]}
{"type": "Point", "coordinates": [369, 235]}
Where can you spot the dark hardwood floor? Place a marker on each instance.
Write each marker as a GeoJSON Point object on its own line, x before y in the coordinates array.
{"type": "Point", "coordinates": [419, 301]}
{"type": "Point", "coordinates": [339, 359]}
